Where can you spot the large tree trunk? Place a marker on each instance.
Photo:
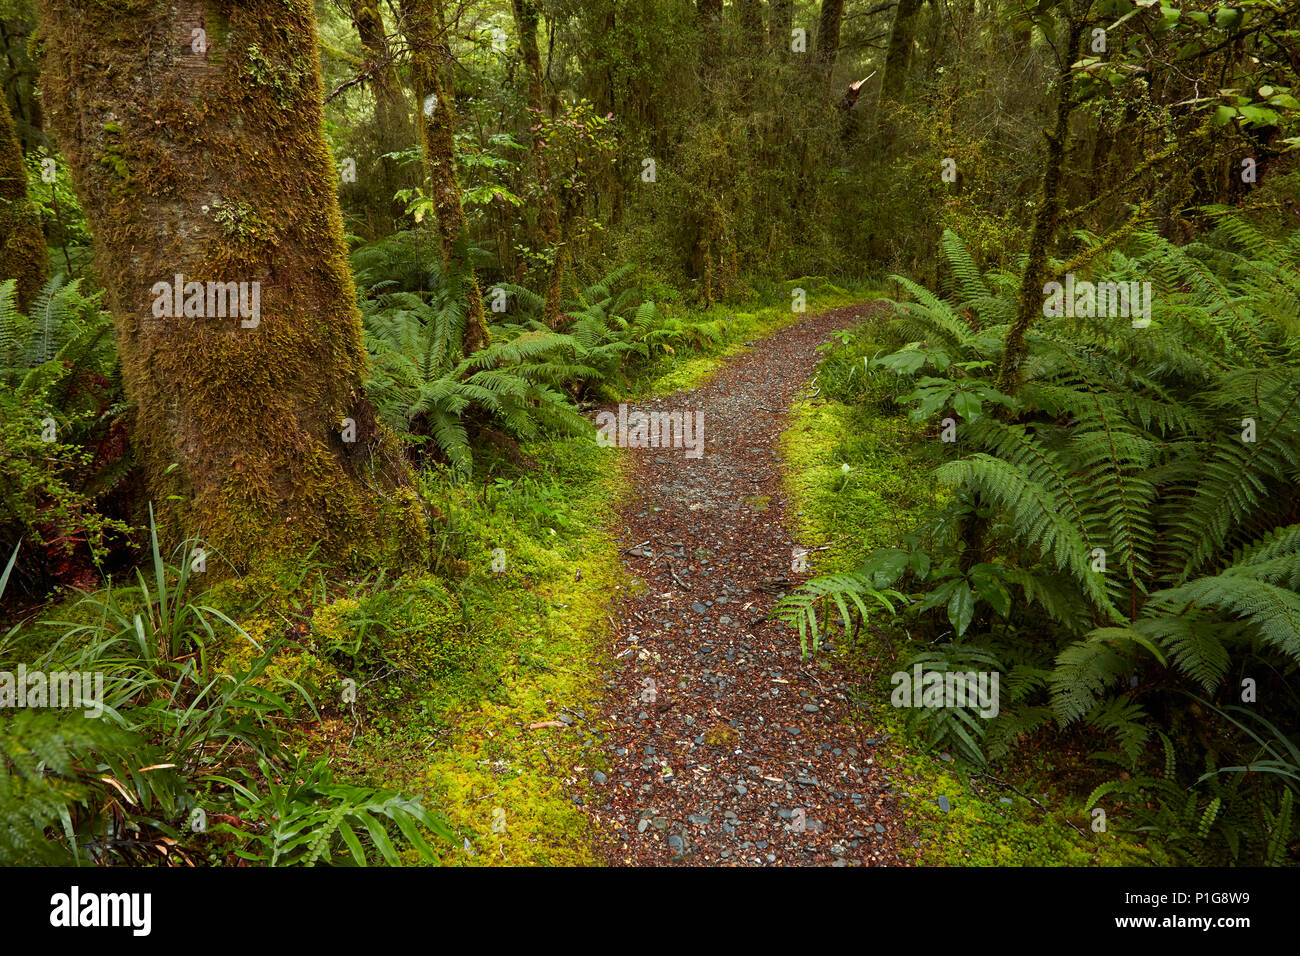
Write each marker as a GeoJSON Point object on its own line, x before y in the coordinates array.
{"type": "Point", "coordinates": [548, 221]}
{"type": "Point", "coordinates": [900, 49]}
{"type": "Point", "coordinates": [709, 9]}
{"type": "Point", "coordinates": [393, 130]}
{"type": "Point", "coordinates": [751, 26]}
{"type": "Point", "coordinates": [23, 255]}
{"type": "Point", "coordinates": [828, 38]}
{"type": "Point", "coordinates": [212, 165]}
{"type": "Point", "coordinates": [422, 21]}
{"type": "Point", "coordinates": [780, 26]}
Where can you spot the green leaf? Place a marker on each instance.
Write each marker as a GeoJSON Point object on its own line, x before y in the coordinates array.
{"type": "Point", "coordinates": [987, 584]}
{"type": "Point", "coordinates": [961, 608]}
{"type": "Point", "coordinates": [967, 405]}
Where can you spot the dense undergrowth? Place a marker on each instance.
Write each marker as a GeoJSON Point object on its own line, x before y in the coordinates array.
{"type": "Point", "coordinates": [1115, 537]}
{"type": "Point", "coordinates": [305, 713]}
{"type": "Point", "coordinates": [859, 476]}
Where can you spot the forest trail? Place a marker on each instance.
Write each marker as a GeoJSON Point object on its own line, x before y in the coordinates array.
{"type": "Point", "coordinates": [737, 753]}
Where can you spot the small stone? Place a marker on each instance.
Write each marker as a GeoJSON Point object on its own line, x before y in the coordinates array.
{"type": "Point", "coordinates": [811, 708]}
{"type": "Point", "coordinates": [944, 805]}
{"type": "Point", "coordinates": [698, 608]}
{"type": "Point", "coordinates": [677, 844]}
{"type": "Point", "coordinates": [660, 823]}
{"type": "Point", "coordinates": [640, 827]}
{"type": "Point", "coordinates": [599, 777]}
{"type": "Point", "coordinates": [880, 828]}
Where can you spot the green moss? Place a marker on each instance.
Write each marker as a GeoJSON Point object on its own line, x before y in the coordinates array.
{"type": "Point", "coordinates": [282, 79]}
{"type": "Point", "coordinates": [291, 664]}
{"type": "Point", "coordinates": [522, 647]}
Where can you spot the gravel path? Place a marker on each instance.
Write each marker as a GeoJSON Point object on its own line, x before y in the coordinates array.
{"type": "Point", "coordinates": [724, 750]}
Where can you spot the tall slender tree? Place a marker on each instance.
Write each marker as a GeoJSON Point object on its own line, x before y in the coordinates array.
{"type": "Point", "coordinates": [194, 132]}
{"type": "Point", "coordinates": [424, 24]}
{"type": "Point", "coordinates": [23, 255]}
{"type": "Point", "coordinates": [393, 130]}
{"type": "Point", "coordinates": [828, 38]}
{"type": "Point", "coordinates": [751, 26]}
{"type": "Point", "coordinates": [900, 48]}
{"type": "Point", "coordinates": [548, 220]}
{"type": "Point", "coordinates": [780, 26]}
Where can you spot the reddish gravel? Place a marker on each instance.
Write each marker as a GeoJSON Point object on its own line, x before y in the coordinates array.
{"type": "Point", "coordinates": [736, 742]}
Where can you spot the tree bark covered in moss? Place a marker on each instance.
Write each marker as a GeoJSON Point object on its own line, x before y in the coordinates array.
{"type": "Point", "coordinates": [23, 254]}
{"type": "Point", "coordinates": [709, 9]}
{"type": "Point", "coordinates": [393, 129]}
{"type": "Point", "coordinates": [424, 26]}
{"type": "Point", "coordinates": [213, 166]}
{"type": "Point", "coordinates": [1048, 216]}
{"type": "Point", "coordinates": [900, 48]}
{"type": "Point", "coordinates": [751, 26]}
{"type": "Point", "coordinates": [548, 220]}
{"type": "Point", "coordinates": [828, 38]}
{"type": "Point", "coordinates": [368, 19]}
{"type": "Point", "coordinates": [780, 26]}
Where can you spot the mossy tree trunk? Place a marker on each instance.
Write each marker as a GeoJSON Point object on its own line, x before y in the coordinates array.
{"type": "Point", "coordinates": [751, 26]}
{"type": "Point", "coordinates": [900, 49]}
{"type": "Point", "coordinates": [548, 220]}
{"type": "Point", "coordinates": [23, 254]}
{"type": "Point", "coordinates": [828, 39]}
{"type": "Point", "coordinates": [211, 164]}
{"type": "Point", "coordinates": [392, 125]}
{"type": "Point", "coordinates": [974, 532]}
{"type": "Point", "coordinates": [1048, 215]}
{"type": "Point", "coordinates": [780, 26]}
{"type": "Point", "coordinates": [425, 29]}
